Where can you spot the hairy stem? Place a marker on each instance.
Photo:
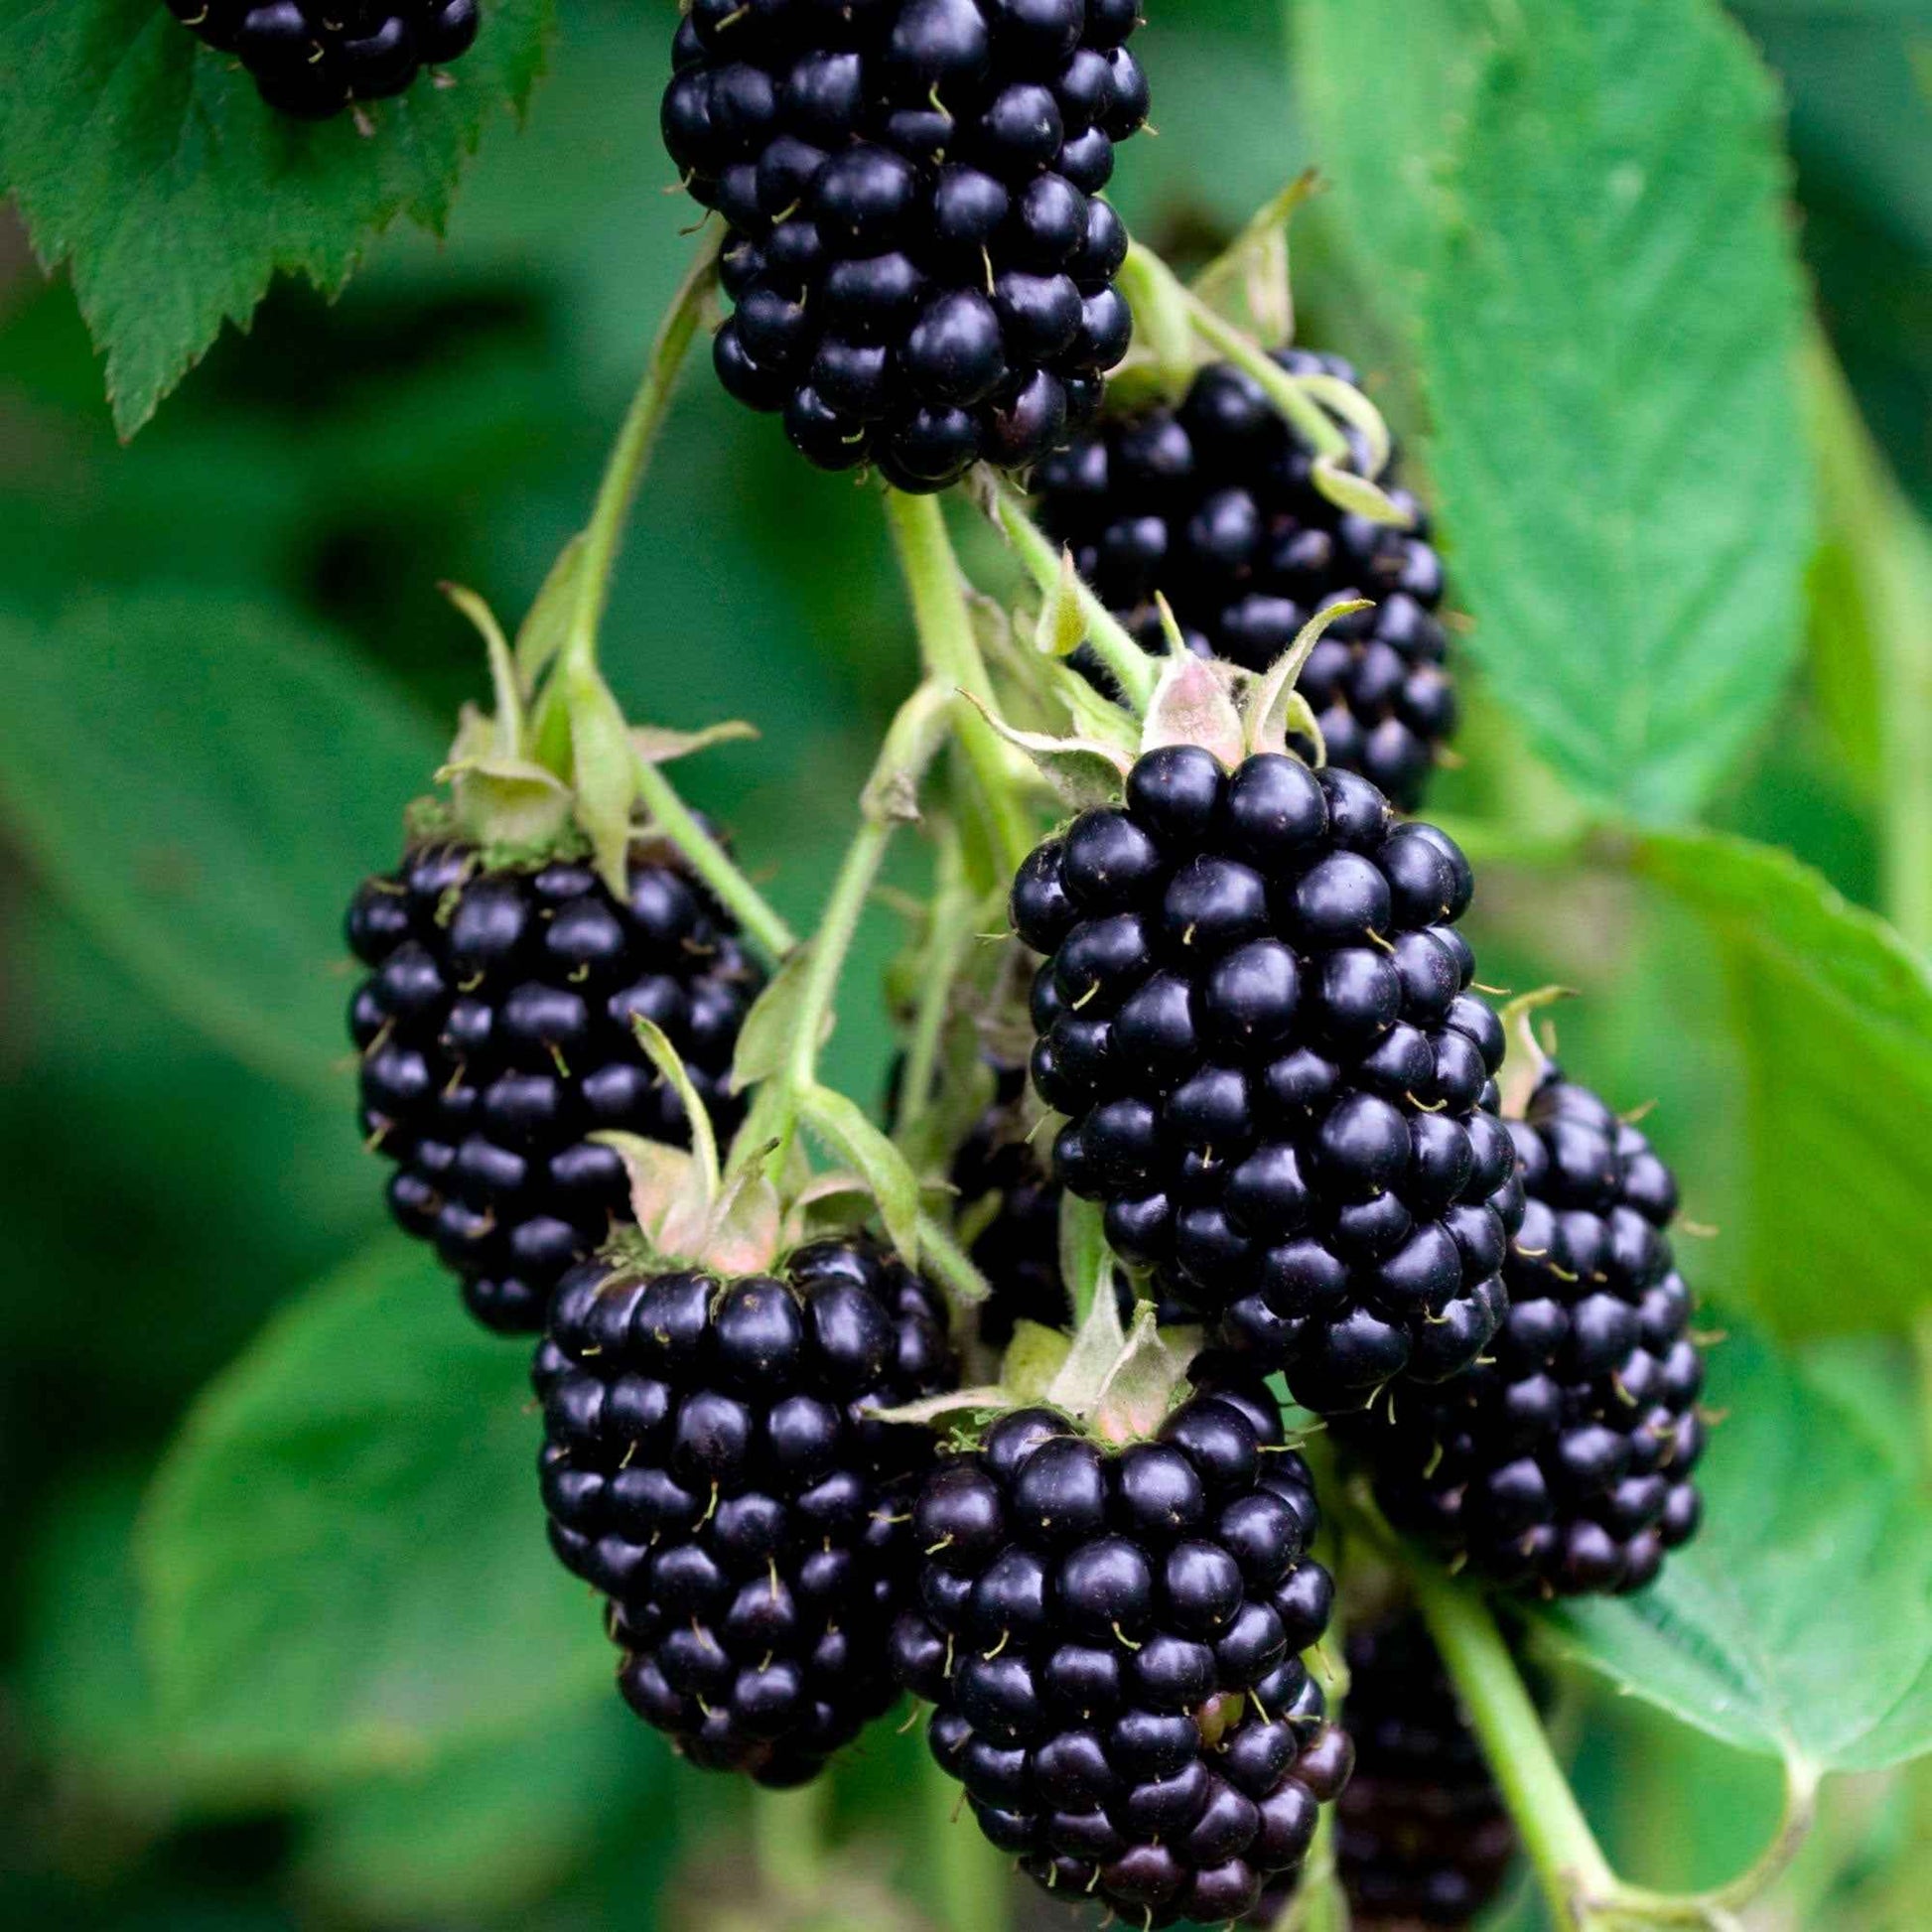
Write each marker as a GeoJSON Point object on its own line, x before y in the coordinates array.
{"type": "Point", "coordinates": [604, 534]}
{"type": "Point", "coordinates": [950, 653]}
{"type": "Point", "coordinates": [1570, 1865]}
{"type": "Point", "coordinates": [1107, 638]}
{"type": "Point", "coordinates": [710, 861]}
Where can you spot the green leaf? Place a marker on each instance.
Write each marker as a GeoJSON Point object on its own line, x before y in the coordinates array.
{"type": "Point", "coordinates": [1834, 1021]}
{"type": "Point", "coordinates": [149, 164]}
{"type": "Point", "coordinates": [1610, 340]}
{"type": "Point", "coordinates": [494, 1825]}
{"type": "Point", "coordinates": [203, 781]}
{"type": "Point", "coordinates": [344, 1561]}
{"type": "Point", "coordinates": [768, 1038]}
{"type": "Point", "coordinates": [1798, 1624]}
{"type": "Point", "coordinates": [870, 1153]}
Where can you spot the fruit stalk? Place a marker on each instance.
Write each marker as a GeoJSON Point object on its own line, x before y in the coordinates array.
{"type": "Point", "coordinates": [951, 655]}
{"type": "Point", "coordinates": [1570, 1865]}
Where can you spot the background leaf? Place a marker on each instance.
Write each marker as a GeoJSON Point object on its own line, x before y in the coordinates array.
{"type": "Point", "coordinates": [1833, 1016]}
{"type": "Point", "coordinates": [149, 164]}
{"type": "Point", "coordinates": [1608, 344]}
{"type": "Point", "coordinates": [1799, 1622]}
{"type": "Point", "coordinates": [202, 781]}
{"type": "Point", "coordinates": [344, 1561]}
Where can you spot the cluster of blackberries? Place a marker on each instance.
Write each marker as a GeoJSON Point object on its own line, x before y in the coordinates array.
{"type": "Point", "coordinates": [1423, 1839]}
{"type": "Point", "coordinates": [1562, 1460]}
{"type": "Point", "coordinates": [713, 1462]}
{"type": "Point", "coordinates": [311, 58]}
{"type": "Point", "coordinates": [922, 265]}
{"type": "Point", "coordinates": [1111, 1640]}
{"type": "Point", "coordinates": [497, 1028]}
{"type": "Point", "coordinates": [1255, 1011]}
{"type": "Point", "coordinates": [1212, 506]}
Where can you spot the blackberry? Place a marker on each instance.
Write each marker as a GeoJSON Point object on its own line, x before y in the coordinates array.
{"type": "Point", "coordinates": [1255, 1011]}
{"type": "Point", "coordinates": [1111, 1639]}
{"type": "Point", "coordinates": [921, 263]}
{"type": "Point", "coordinates": [1423, 1838]}
{"type": "Point", "coordinates": [496, 1029]}
{"type": "Point", "coordinates": [712, 1463]}
{"type": "Point", "coordinates": [1013, 1204]}
{"type": "Point", "coordinates": [1564, 1461]}
{"type": "Point", "coordinates": [1213, 505]}
{"type": "Point", "coordinates": [310, 59]}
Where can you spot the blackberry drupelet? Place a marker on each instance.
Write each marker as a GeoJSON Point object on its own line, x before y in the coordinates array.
{"type": "Point", "coordinates": [1212, 503]}
{"type": "Point", "coordinates": [496, 1033]}
{"type": "Point", "coordinates": [712, 1463]}
{"type": "Point", "coordinates": [1255, 1012]}
{"type": "Point", "coordinates": [1423, 1837]}
{"type": "Point", "coordinates": [920, 261]}
{"type": "Point", "coordinates": [310, 59]}
{"type": "Point", "coordinates": [1111, 1639]}
{"type": "Point", "coordinates": [1564, 1462]}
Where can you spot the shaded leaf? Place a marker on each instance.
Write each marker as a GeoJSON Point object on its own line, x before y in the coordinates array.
{"type": "Point", "coordinates": [343, 1562]}
{"type": "Point", "coordinates": [204, 781]}
{"type": "Point", "coordinates": [1799, 1622]}
{"type": "Point", "coordinates": [149, 165]}
{"type": "Point", "coordinates": [1834, 1023]}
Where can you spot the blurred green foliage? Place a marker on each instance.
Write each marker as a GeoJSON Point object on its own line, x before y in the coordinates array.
{"type": "Point", "coordinates": [179, 1158]}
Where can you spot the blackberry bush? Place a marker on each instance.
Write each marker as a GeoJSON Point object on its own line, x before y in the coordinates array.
{"type": "Point", "coordinates": [1422, 1838]}
{"type": "Point", "coordinates": [311, 58]}
{"type": "Point", "coordinates": [1213, 505]}
{"type": "Point", "coordinates": [1563, 1463]}
{"type": "Point", "coordinates": [1255, 1011]}
{"type": "Point", "coordinates": [498, 1029]}
{"type": "Point", "coordinates": [713, 1462]}
{"type": "Point", "coordinates": [1109, 1635]}
{"type": "Point", "coordinates": [920, 261]}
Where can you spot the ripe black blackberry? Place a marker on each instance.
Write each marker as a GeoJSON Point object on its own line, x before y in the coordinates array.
{"type": "Point", "coordinates": [711, 1463]}
{"type": "Point", "coordinates": [496, 1033]}
{"type": "Point", "coordinates": [1255, 1011]}
{"type": "Point", "coordinates": [1111, 1639]}
{"type": "Point", "coordinates": [1018, 1247]}
{"type": "Point", "coordinates": [1423, 1838]}
{"type": "Point", "coordinates": [311, 58]}
{"type": "Point", "coordinates": [921, 264]}
{"type": "Point", "coordinates": [1564, 1461]}
{"type": "Point", "coordinates": [1211, 504]}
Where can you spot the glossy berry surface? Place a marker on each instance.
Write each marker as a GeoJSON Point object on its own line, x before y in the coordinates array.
{"type": "Point", "coordinates": [496, 1033]}
{"type": "Point", "coordinates": [1211, 504]}
{"type": "Point", "coordinates": [1111, 1640]}
{"type": "Point", "coordinates": [712, 1465]}
{"type": "Point", "coordinates": [310, 59]}
{"type": "Point", "coordinates": [1422, 1835]}
{"type": "Point", "coordinates": [1564, 1462]}
{"type": "Point", "coordinates": [920, 261]}
{"type": "Point", "coordinates": [1255, 1013]}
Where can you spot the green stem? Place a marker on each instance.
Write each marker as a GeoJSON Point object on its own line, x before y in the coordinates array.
{"type": "Point", "coordinates": [604, 534]}
{"type": "Point", "coordinates": [951, 655]}
{"type": "Point", "coordinates": [710, 861]}
{"type": "Point", "coordinates": [788, 1837]}
{"type": "Point", "coordinates": [969, 1875]}
{"type": "Point", "coordinates": [1107, 638]}
{"type": "Point", "coordinates": [1570, 1865]}
{"type": "Point", "coordinates": [954, 918]}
